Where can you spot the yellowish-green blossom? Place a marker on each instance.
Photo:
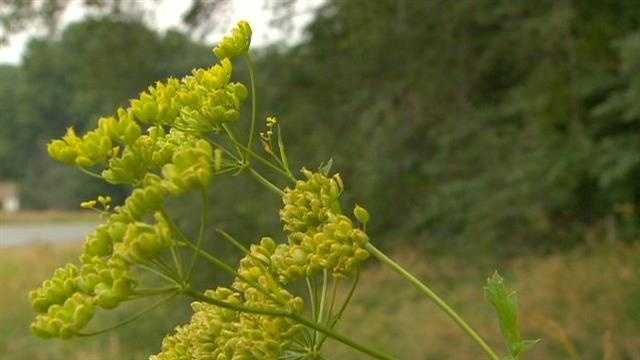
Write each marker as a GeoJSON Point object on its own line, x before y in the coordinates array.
{"type": "Point", "coordinates": [319, 236]}
{"type": "Point", "coordinates": [65, 320]}
{"type": "Point", "coordinates": [223, 334]}
{"type": "Point", "coordinates": [235, 44]}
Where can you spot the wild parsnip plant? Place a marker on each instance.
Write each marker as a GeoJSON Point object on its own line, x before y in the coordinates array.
{"type": "Point", "coordinates": [175, 138]}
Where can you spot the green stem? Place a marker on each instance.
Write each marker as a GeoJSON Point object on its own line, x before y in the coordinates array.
{"type": "Point", "coordinates": [158, 273]}
{"type": "Point", "coordinates": [91, 173]}
{"type": "Point", "coordinates": [212, 259]}
{"type": "Point", "coordinates": [435, 298]}
{"type": "Point", "coordinates": [283, 153]}
{"type": "Point", "coordinates": [261, 262]}
{"type": "Point", "coordinates": [295, 317]}
{"type": "Point", "coordinates": [312, 300]}
{"type": "Point", "coordinates": [341, 338]}
{"type": "Point", "coordinates": [323, 294]}
{"type": "Point", "coordinates": [254, 155]}
{"type": "Point", "coordinates": [203, 224]}
{"type": "Point", "coordinates": [173, 225]}
{"type": "Point", "coordinates": [232, 137]}
{"type": "Point", "coordinates": [266, 182]}
{"type": "Point", "coordinates": [162, 266]}
{"type": "Point", "coordinates": [343, 307]}
{"type": "Point", "coordinates": [234, 242]}
{"type": "Point", "coordinates": [131, 319]}
{"type": "Point", "coordinates": [224, 266]}
{"type": "Point", "coordinates": [252, 78]}
{"type": "Point", "coordinates": [334, 294]}
{"type": "Point", "coordinates": [219, 146]}
{"type": "Point", "coordinates": [177, 263]}
{"type": "Point", "coordinates": [154, 291]}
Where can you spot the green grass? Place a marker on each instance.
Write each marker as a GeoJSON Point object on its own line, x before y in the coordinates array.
{"type": "Point", "coordinates": [583, 305]}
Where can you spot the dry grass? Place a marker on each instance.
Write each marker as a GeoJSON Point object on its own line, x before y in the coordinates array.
{"type": "Point", "coordinates": [23, 268]}
{"type": "Point", "coordinates": [583, 305]}
{"type": "Point", "coordinates": [47, 216]}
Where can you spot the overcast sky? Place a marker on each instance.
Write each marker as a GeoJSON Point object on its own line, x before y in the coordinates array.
{"type": "Point", "coordinates": [168, 14]}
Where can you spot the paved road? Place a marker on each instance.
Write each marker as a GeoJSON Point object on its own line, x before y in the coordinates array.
{"type": "Point", "coordinates": [20, 234]}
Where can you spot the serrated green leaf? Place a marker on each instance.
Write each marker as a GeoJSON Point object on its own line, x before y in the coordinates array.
{"type": "Point", "coordinates": [525, 345]}
{"type": "Point", "coordinates": [505, 302]}
{"type": "Point", "coordinates": [325, 168]}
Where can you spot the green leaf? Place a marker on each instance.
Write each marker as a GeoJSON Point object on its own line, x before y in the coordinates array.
{"type": "Point", "coordinates": [325, 168]}
{"type": "Point", "coordinates": [505, 302]}
{"type": "Point", "coordinates": [525, 345]}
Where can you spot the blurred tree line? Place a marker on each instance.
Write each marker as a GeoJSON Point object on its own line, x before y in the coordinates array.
{"type": "Point", "coordinates": [474, 124]}
{"type": "Point", "coordinates": [95, 66]}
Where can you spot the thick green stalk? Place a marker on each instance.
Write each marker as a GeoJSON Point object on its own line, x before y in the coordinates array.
{"type": "Point", "coordinates": [287, 314]}
{"type": "Point", "coordinates": [435, 298]}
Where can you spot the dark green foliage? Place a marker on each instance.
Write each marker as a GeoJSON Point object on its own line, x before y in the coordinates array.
{"type": "Point", "coordinates": [474, 124]}
{"type": "Point", "coordinates": [9, 136]}
{"type": "Point", "coordinates": [95, 66]}
{"type": "Point", "coordinates": [479, 125]}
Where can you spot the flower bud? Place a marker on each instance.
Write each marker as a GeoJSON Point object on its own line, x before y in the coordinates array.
{"type": "Point", "coordinates": [361, 214]}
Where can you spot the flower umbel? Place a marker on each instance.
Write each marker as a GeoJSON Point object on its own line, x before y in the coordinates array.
{"type": "Point", "coordinates": [175, 138]}
{"type": "Point", "coordinates": [235, 44]}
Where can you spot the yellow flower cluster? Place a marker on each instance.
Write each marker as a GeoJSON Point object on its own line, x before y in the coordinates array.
{"type": "Point", "coordinates": [158, 146]}
{"type": "Point", "coordinates": [142, 241]}
{"type": "Point", "coordinates": [96, 146]}
{"type": "Point", "coordinates": [319, 236]}
{"type": "Point", "coordinates": [64, 320]}
{"type": "Point", "coordinates": [310, 203]}
{"type": "Point", "coordinates": [201, 102]}
{"type": "Point", "coordinates": [67, 301]}
{"type": "Point", "coordinates": [198, 103]}
{"type": "Point", "coordinates": [237, 43]}
{"type": "Point", "coordinates": [104, 278]}
{"type": "Point", "coordinates": [223, 334]}
{"type": "Point", "coordinates": [170, 157]}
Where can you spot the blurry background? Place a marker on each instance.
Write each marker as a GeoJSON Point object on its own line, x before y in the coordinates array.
{"type": "Point", "coordinates": [480, 134]}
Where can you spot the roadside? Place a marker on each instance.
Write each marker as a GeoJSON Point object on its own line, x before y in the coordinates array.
{"type": "Point", "coordinates": [44, 227]}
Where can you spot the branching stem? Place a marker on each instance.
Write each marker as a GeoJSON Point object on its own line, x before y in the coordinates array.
{"type": "Point", "coordinates": [203, 225]}
{"type": "Point", "coordinates": [343, 307]}
{"type": "Point", "coordinates": [293, 316]}
{"type": "Point", "coordinates": [131, 319]}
